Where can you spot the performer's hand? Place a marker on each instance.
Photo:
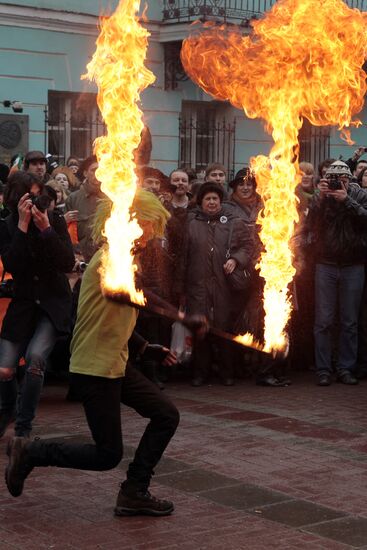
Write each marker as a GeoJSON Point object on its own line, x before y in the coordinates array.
{"type": "Point", "coordinates": [156, 352]}
{"type": "Point", "coordinates": [197, 324]}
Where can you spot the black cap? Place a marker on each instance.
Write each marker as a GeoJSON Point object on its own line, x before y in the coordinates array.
{"type": "Point", "coordinates": [241, 175]}
{"type": "Point", "coordinates": [34, 155]}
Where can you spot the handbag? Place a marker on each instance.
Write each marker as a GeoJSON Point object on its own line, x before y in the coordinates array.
{"type": "Point", "coordinates": [239, 279]}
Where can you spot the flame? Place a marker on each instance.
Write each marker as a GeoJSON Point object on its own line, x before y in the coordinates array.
{"type": "Point", "coordinates": [118, 69]}
{"type": "Point", "coordinates": [303, 60]}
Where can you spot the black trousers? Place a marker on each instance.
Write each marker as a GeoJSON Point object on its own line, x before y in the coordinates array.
{"type": "Point", "coordinates": [208, 349]}
{"type": "Point", "coordinates": [101, 399]}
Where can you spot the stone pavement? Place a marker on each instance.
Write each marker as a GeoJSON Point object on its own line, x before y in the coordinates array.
{"type": "Point", "coordinates": [249, 468]}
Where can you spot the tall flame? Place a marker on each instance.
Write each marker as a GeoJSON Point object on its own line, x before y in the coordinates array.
{"type": "Point", "coordinates": [303, 60]}
{"type": "Point", "coordinates": [118, 68]}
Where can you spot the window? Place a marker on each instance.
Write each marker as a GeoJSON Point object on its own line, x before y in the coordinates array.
{"type": "Point", "coordinates": [314, 142]}
{"type": "Point", "coordinates": [72, 122]}
{"type": "Point", "coordinates": [205, 136]}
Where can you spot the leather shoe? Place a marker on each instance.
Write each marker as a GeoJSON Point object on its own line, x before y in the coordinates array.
{"type": "Point", "coordinates": [324, 380]}
{"type": "Point", "coordinates": [347, 378]}
{"type": "Point", "coordinates": [269, 380]}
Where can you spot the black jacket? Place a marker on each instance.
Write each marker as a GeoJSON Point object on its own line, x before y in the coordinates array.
{"type": "Point", "coordinates": [337, 231]}
{"type": "Point", "coordinates": [38, 263]}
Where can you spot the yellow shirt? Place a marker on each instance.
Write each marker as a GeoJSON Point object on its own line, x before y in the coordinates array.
{"type": "Point", "coordinates": [100, 339]}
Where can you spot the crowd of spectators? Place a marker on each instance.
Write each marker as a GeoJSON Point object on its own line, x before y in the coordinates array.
{"type": "Point", "coordinates": [205, 264]}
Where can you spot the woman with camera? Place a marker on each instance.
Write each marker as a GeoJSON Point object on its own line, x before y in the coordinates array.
{"type": "Point", "coordinates": [36, 250]}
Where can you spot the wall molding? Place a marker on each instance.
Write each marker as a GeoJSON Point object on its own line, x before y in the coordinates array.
{"type": "Point", "coordinates": [68, 22]}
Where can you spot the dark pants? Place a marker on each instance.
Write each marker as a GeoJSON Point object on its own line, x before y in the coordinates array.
{"type": "Point", "coordinates": [208, 350]}
{"type": "Point", "coordinates": [101, 401]}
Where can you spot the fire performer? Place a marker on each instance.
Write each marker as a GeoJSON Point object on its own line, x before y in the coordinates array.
{"type": "Point", "coordinates": [102, 377]}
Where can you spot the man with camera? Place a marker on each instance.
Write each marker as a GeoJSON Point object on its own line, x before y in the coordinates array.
{"type": "Point", "coordinates": [337, 228]}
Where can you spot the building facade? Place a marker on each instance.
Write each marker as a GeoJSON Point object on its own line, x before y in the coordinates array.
{"type": "Point", "coordinates": [45, 46]}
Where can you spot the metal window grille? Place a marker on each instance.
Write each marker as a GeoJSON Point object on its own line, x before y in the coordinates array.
{"type": "Point", "coordinates": [205, 139]}
{"type": "Point", "coordinates": [314, 143]}
{"type": "Point", "coordinates": [72, 123]}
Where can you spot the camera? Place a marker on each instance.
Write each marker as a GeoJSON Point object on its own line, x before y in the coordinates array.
{"type": "Point", "coordinates": [334, 183]}
{"type": "Point", "coordinates": [42, 202]}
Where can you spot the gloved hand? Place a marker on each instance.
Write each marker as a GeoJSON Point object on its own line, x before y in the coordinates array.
{"type": "Point", "coordinates": [156, 352]}
{"type": "Point", "coordinates": [197, 324]}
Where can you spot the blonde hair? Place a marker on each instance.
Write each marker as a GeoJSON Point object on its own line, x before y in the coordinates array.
{"type": "Point", "coordinates": [73, 181]}
{"type": "Point", "coordinates": [58, 187]}
{"type": "Point", "coordinates": [146, 206]}
{"type": "Point", "coordinates": [307, 168]}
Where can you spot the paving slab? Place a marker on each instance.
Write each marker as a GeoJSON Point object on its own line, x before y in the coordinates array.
{"type": "Point", "coordinates": [352, 531]}
{"type": "Point", "coordinates": [298, 513]}
{"type": "Point", "coordinates": [244, 496]}
{"type": "Point", "coordinates": [195, 480]}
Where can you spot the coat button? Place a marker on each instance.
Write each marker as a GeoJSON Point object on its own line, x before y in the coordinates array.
{"type": "Point", "coordinates": [38, 302]}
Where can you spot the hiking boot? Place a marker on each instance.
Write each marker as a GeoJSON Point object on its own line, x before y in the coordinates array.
{"type": "Point", "coordinates": [6, 418]}
{"type": "Point", "coordinates": [19, 467]}
{"type": "Point", "coordinates": [141, 502]}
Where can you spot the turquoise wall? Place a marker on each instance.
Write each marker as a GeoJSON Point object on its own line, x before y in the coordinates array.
{"type": "Point", "coordinates": [34, 61]}
{"type": "Point", "coordinates": [93, 7]}
{"type": "Point", "coordinates": [40, 61]}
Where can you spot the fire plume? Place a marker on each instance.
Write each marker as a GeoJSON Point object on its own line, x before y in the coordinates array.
{"type": "Point", "coordinates": [304, 59]}
{"type": "Point", "coordinates": [118, 69]}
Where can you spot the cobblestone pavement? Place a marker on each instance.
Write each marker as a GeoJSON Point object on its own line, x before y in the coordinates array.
{"type": "Point", "coordinates": [250, 467]}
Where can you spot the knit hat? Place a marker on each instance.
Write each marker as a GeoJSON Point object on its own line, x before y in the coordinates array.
{"type": "Point", "coordinates": [339, 168]}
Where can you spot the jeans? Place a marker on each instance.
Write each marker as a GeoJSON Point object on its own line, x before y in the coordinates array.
{"type": "Point", "coordinates": [35, 353]}
{"type": "Point", "coordinates": [337, 286]}
{"type": "Point", "coordinates": [101, 401]}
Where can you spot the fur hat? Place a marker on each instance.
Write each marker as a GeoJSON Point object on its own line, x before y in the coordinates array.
{"type": "Point", "coordinates": [209, 187]}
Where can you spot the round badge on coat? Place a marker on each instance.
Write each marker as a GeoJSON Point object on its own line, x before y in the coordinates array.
{"type": "Point", "coordinates": [223, 219]}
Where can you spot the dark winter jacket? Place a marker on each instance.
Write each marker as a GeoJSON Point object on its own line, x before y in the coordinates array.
{"type": "Point", "coordinates": [249, 214]}
{"type": "Point", "coordinates": [336, 232]}
{"type": "Point", "coordinates": [38, 263]}
{"type": "Point", "coordinates": [205, 284]}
